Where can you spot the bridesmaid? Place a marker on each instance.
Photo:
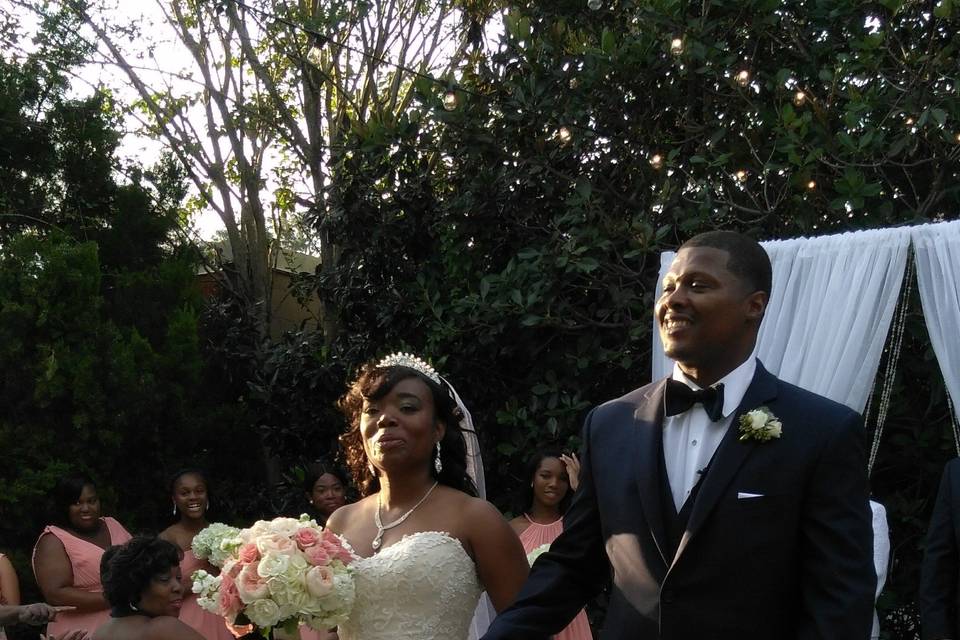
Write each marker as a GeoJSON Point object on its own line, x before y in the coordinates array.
{"type": "Point", "coordinates": [550, 477]}
{"type": "Point", "coordinates": [188, 490]}
{"type": "Point", "coordinates": [9, 588]}
{"type": "Point", "coordinates": [66, 558]}
{"type": "Point", "coordinates": [325, 487]}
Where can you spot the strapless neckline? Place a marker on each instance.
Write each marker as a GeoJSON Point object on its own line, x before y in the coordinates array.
{"type": "Point", "coordinates": [422, 587]}
{"type": "Point", "coordinates": [404, 539]}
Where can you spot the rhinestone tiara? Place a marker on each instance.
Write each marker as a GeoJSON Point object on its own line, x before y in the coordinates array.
{"type": "Point", "coordinates": [410, 361]}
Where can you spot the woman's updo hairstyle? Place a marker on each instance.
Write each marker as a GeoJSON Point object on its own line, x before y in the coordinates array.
{"type": "Point", "coordinates": [374, 383]}
{"type": "Point", "coordinates": [127, 569]}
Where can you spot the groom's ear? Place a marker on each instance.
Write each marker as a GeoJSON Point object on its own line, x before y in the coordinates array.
{"type": "Point", "coordinates": [756, 306]}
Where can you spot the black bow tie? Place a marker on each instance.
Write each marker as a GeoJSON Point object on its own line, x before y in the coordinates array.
{"type": "Point", "coordinates": [678, 398]}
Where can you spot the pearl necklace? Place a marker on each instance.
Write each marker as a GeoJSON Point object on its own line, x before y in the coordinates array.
{"type": "Point", "coordinates": [381, 527]}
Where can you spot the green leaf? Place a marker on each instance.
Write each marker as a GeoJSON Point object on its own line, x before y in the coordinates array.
{"type": "Point", "coordinates": [584, 188]}
{"type": "Point", "coordinates": [608, 42]}
{"type": "Point", "coordinates": [943, 9]}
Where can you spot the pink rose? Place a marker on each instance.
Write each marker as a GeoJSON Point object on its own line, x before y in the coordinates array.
{"type": "Point", "coordinates": [248, 553]}
{"type": "Point", "coordinates": [334, 547]}
{"type": "Point", "coordinates": [317, 555]}
{"type": "Point", "coordinates": [230, 603]}
{"type": "Point", "coordinates": [231, 568]}
{"type": "Point", "coordinates": [319, 581]}
{"type": "Point", "coordinates": [250, 586]}
{"type": "Point", "coordinates": [306, 537]}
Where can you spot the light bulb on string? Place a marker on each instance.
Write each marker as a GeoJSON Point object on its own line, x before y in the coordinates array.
{"type": "Point", "coordinates": [741, 175]}
{"type": "Point", "coordinates": [908, 122]}
{"type": "Point", "coordinates": [811, 185]}
{"type": "Point", "coordinates": [450, 100]}
{"type": "Point", "coordinates": [799, 98]}
{"type": "Point", "coordinates": [594, 4]}
{"type": "Point", "coordinates": [676, 46]}
{"type": "Point", "coordinates": [743, 77]}
{"type": "Point", "coordinates": [656, 161]}
{"type": "Point", "coordinates": [564, 135]}
{"type": "Point", "coordinates": [957, 138]}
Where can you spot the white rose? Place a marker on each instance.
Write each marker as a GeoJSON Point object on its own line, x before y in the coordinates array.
{"type": "Point", "coordinates": [284, 526]}
{"type": "Point", "coordinates": [774, 428]}
{"type": "Point", "coordinates": [273, 564]}
{"type": "Point", "coordinates": [263, 613]}
{"type": "Point", "coordinates": [757, 419]}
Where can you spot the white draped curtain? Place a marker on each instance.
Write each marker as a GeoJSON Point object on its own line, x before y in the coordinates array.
{"type": "Point", "coordinates": [937, 251]}
{"type": "Point", "coordinates": [829, 313]}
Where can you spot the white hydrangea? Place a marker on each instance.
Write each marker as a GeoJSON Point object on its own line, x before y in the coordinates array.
{"type": "Point", "coordinates": [215, 543]}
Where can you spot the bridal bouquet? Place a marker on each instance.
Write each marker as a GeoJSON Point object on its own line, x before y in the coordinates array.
{"type": "Point", "coordinates": [277, 573]}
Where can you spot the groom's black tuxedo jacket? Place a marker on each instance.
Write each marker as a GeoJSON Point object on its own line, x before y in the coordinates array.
{"type": "Point", "coordinates": [792, 562]}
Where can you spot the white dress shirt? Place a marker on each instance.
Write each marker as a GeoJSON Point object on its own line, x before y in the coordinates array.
{"type": "Point", "coordinates": [691, 438]}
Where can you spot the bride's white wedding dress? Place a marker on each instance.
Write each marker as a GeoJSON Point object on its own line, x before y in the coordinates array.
{"type": "Point", "coordinates": [424, 587]}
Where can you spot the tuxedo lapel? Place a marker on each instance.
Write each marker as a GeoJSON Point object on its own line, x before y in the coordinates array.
{"type": "Point", "coordinates": [730, 454]}
{"type": "Point", "coordinates": [649, 441]}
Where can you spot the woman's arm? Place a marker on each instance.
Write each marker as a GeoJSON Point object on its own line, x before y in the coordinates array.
{"type": "Point", "coordinates": [55, 577]}
{"type": "Point", "coordinates": [501, 563]}
{"type": "Point", "coordinates": [9, 585]}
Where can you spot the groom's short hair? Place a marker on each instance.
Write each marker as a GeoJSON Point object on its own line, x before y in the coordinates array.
{"type": "Point", "coordinates": [747, 259]}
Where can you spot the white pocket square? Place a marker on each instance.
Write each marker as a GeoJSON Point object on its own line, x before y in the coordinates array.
{"type": "Point", "coordinates": [743, 495]}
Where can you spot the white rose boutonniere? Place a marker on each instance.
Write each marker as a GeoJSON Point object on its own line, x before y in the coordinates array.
{"type": "Point", "coordinates": [760, 425]}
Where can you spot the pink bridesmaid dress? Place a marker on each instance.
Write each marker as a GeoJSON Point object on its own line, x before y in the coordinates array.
{"type": "Point", "coordinates": [209, 625]}
{"type": "Point", "coordinates": [537, 535]}
{"type": "Point", "coordinates": [85, 561]}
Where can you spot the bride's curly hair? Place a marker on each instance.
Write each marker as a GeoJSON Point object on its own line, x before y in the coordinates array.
{"type": "Point", "coordinates": [376, 382]}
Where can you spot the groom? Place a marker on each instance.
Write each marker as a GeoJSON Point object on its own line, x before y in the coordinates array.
{"type": "Point", "coordinates": [710, 530]}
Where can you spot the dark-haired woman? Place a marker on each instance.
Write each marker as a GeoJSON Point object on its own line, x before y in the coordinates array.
{"type": "Point", "coordinates": [190, 497]}
{"type": "Point", "coordinates": [141, 580]}
{"type": "Point", "coordinates": [66, 558]}
{"type": "Point", "coordinates": [545, 497]}
{"type": "Point", "coordinates": [325, 487]}
{"type": "Point", "coordinates": [426, 546]}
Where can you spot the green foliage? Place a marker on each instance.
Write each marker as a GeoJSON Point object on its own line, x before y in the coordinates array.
{"type": "Point", "coordinates": [515, 240]}
{"type": "Point", "coordinates": [106, 370]}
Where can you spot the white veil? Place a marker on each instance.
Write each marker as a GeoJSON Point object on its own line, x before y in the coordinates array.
{"type": "Point", "coordinates": [485, 613]}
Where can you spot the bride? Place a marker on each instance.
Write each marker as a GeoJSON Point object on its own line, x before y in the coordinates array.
{"type": "Point", "coordinates": [426, 546]}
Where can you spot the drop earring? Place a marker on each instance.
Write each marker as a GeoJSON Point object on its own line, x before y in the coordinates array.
{"type": "Point", "coordinates": [437, 464]}
{"type": "Point", "coordinates": [174, 508]}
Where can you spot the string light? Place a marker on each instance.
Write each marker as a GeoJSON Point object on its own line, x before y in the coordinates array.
{"type": "Point", "coordinates": [799, 98]}
{"type": "Point", "coordinates": [564, 135]}
{"type": "Point", "coordinates": [957, 138]}
{"type": "Point", "coordinates": [741, 175]}
{"type": "Point", "coordinates": [656, 161]}
{"type": "Point", "coordinates": [676, 46]}
{"type": "Point", "coordinates": [908, 122]}
{"type": "Point", "coordinates": [594, 4]}
{"type": "Point", "coordinates": [450, 100]}
{"type": "Point", "coordinates": [811, 185]}
{"type": "Point", "coordinates": [743, 78]}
